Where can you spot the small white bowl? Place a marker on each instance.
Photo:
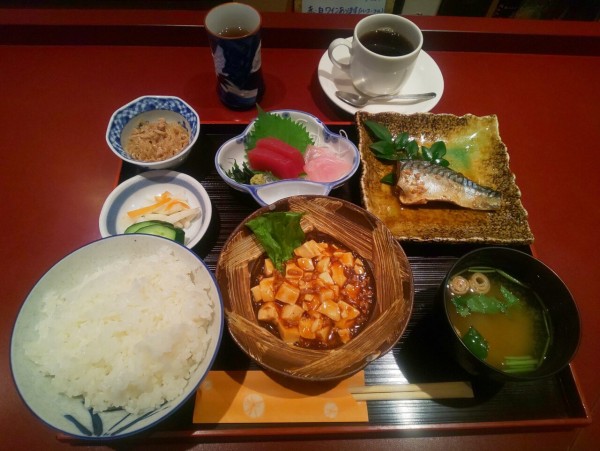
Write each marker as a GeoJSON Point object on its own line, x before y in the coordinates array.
{"type": "Point", "coordinates": [68, 414]}
{"type": "Point", "coordinates": [234, 150]}
{"type": "Point", "coordinates": [139, 191]}
{"type": "Point", "coordinates": [152, 108]}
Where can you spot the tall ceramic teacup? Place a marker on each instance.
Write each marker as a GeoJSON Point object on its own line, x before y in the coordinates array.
{"type": "Point", "coordinates": [234, 37]}
{"type": "Point", "coordinates": [383, 52]}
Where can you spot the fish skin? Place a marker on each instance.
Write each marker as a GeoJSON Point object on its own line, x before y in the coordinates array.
{"type": "Point", "coordinates": [422, 181]}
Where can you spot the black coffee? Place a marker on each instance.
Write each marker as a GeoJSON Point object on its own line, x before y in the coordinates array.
{"type": "Point", "coordinates": [386, 42]}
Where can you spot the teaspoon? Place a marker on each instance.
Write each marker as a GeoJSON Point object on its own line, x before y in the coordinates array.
{"type": "Point", "coordinates": [360, 100]}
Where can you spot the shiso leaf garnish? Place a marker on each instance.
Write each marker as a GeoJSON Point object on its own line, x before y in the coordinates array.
{"type": "Point", "coordinates": [269, 125]}
{"type": "Point", "coordinates": [400, 147]}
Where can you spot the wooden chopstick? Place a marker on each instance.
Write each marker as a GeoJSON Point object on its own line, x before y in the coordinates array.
{"type": "Point", "coordinates": [433, 390]}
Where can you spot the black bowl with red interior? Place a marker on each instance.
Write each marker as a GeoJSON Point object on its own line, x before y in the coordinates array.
{"type": "Point", "coordinates": [508, 316]}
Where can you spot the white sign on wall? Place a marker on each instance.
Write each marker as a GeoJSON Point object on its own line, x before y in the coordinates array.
{"type": "Point", "coordinates": [345, 6]}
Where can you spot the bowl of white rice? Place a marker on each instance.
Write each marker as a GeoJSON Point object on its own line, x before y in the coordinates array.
{"type": "Point", "coordinates": [116, 336]}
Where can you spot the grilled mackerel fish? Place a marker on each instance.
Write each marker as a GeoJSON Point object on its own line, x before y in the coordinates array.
{"type": "Point", "coordinates": [419, 182]}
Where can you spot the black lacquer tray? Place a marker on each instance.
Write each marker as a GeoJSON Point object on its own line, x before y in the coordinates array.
{"type": "Point", "coordinates": [554, 402]}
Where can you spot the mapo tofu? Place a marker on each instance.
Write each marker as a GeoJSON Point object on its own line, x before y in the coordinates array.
{"type": "Point", "coordinates": [321, 301]}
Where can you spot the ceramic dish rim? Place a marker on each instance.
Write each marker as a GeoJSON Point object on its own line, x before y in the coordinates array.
{"type": "Point", "coordinates": [185, 395]}
{"type": "Point", "coordinates": [255, 189]}
{"type": "Point", "coordinates": [151, 164]}
{"type": "Point", "coordinates": [150, 176]}
{"type": "Point", "coordinates": [424, 58]}
{"type": "Point", "coordinates": [364, 361]}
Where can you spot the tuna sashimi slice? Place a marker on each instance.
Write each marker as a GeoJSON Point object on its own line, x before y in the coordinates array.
{"type": "Point", "coordinates": [282, 148]}
{"type": "Point", "coordinates": [262, 159]}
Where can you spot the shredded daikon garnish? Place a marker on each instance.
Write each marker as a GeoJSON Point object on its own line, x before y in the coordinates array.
{"type": "Point", "coordinates": [166, 208]}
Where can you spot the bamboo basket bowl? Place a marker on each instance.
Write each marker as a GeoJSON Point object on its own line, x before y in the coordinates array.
{"type": "Point", "coordinates": [359, 231]}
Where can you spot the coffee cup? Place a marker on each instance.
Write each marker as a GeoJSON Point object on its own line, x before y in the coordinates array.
{"type": "Point", "coordinates": [383, 51]}
{"type": "Point", "coordinates": [234, 37]}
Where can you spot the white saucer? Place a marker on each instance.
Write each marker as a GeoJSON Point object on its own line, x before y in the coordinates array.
{"type": "Point", "coordinates": [426, 77]}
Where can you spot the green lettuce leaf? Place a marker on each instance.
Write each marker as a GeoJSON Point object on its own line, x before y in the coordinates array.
{"type": "Point", "coordinates": [279, 233]}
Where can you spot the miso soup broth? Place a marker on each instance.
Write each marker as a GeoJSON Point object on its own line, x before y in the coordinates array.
{"type": "Point", "coordinates": [499, 318]}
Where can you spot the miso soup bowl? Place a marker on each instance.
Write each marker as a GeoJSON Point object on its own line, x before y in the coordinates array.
{"type": "Point", "coordinates": [556, 300]}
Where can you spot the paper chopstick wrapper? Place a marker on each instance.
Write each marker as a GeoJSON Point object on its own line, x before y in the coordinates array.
{"type": "Point", "coordinates": [255, 397]}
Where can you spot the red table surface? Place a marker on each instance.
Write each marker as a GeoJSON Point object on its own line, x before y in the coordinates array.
{"type": "Point", "coordinates": [57, 169]}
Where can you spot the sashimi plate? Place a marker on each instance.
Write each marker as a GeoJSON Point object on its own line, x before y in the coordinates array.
{"type": "Point", "coordinates": [474, 148]}
{"type": "Point", "coordinates": [233, 152]}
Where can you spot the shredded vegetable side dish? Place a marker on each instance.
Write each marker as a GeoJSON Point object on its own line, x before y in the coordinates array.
{"type": "Point", "coordinates": [157, 141]}
{"type": "Point", "coordinates": [167, 208]}
{"type": "Point", "coordinates": [168, 216]}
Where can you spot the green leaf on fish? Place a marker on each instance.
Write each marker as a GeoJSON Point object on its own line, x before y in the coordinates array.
{"type": "Point", "coordinates": [441, 162]}
{"type": "Point", "coordinates": [380, 130]}
{"type": "Point", "coordinates": [279, 233]}
{"type": "Point", "coordinates": [436, 153]}
{"type": "Point", "coordinates": [402, 147]}
{"type": "Point", "coordinates": [388, 179]}
{"type": "Point", "coordinates": [402, 140]}
{"type": "Point", "coordinates": [438, 149]}
{"type": "Point", "coordinates": [385, 150]}
{"type": "Point", "coordinates": [412, 150]}
{"type": "Point", "coordinates": [475, 342]}
{"type": "Point", "coordinates": [427, 153]}
{"type": "Point", "coordinates": [270, 125]}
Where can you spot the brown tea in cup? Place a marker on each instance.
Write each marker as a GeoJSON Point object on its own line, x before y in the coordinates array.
{"type": "Point", "coordinates": [386, 42]}
{"type": "Point", "coordinates": [233, 32]}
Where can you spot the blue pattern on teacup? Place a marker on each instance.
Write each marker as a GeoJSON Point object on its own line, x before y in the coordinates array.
{"type": "Point", "coordinates": [142, 105]}
{"type": "Point", "coordinates": [238, 68]}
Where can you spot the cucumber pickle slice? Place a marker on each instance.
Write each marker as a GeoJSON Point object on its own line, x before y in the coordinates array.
{"type": "Point", "coordinates": [159, 228]}
{"type": "Point", "coordinates": [140, 225]}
